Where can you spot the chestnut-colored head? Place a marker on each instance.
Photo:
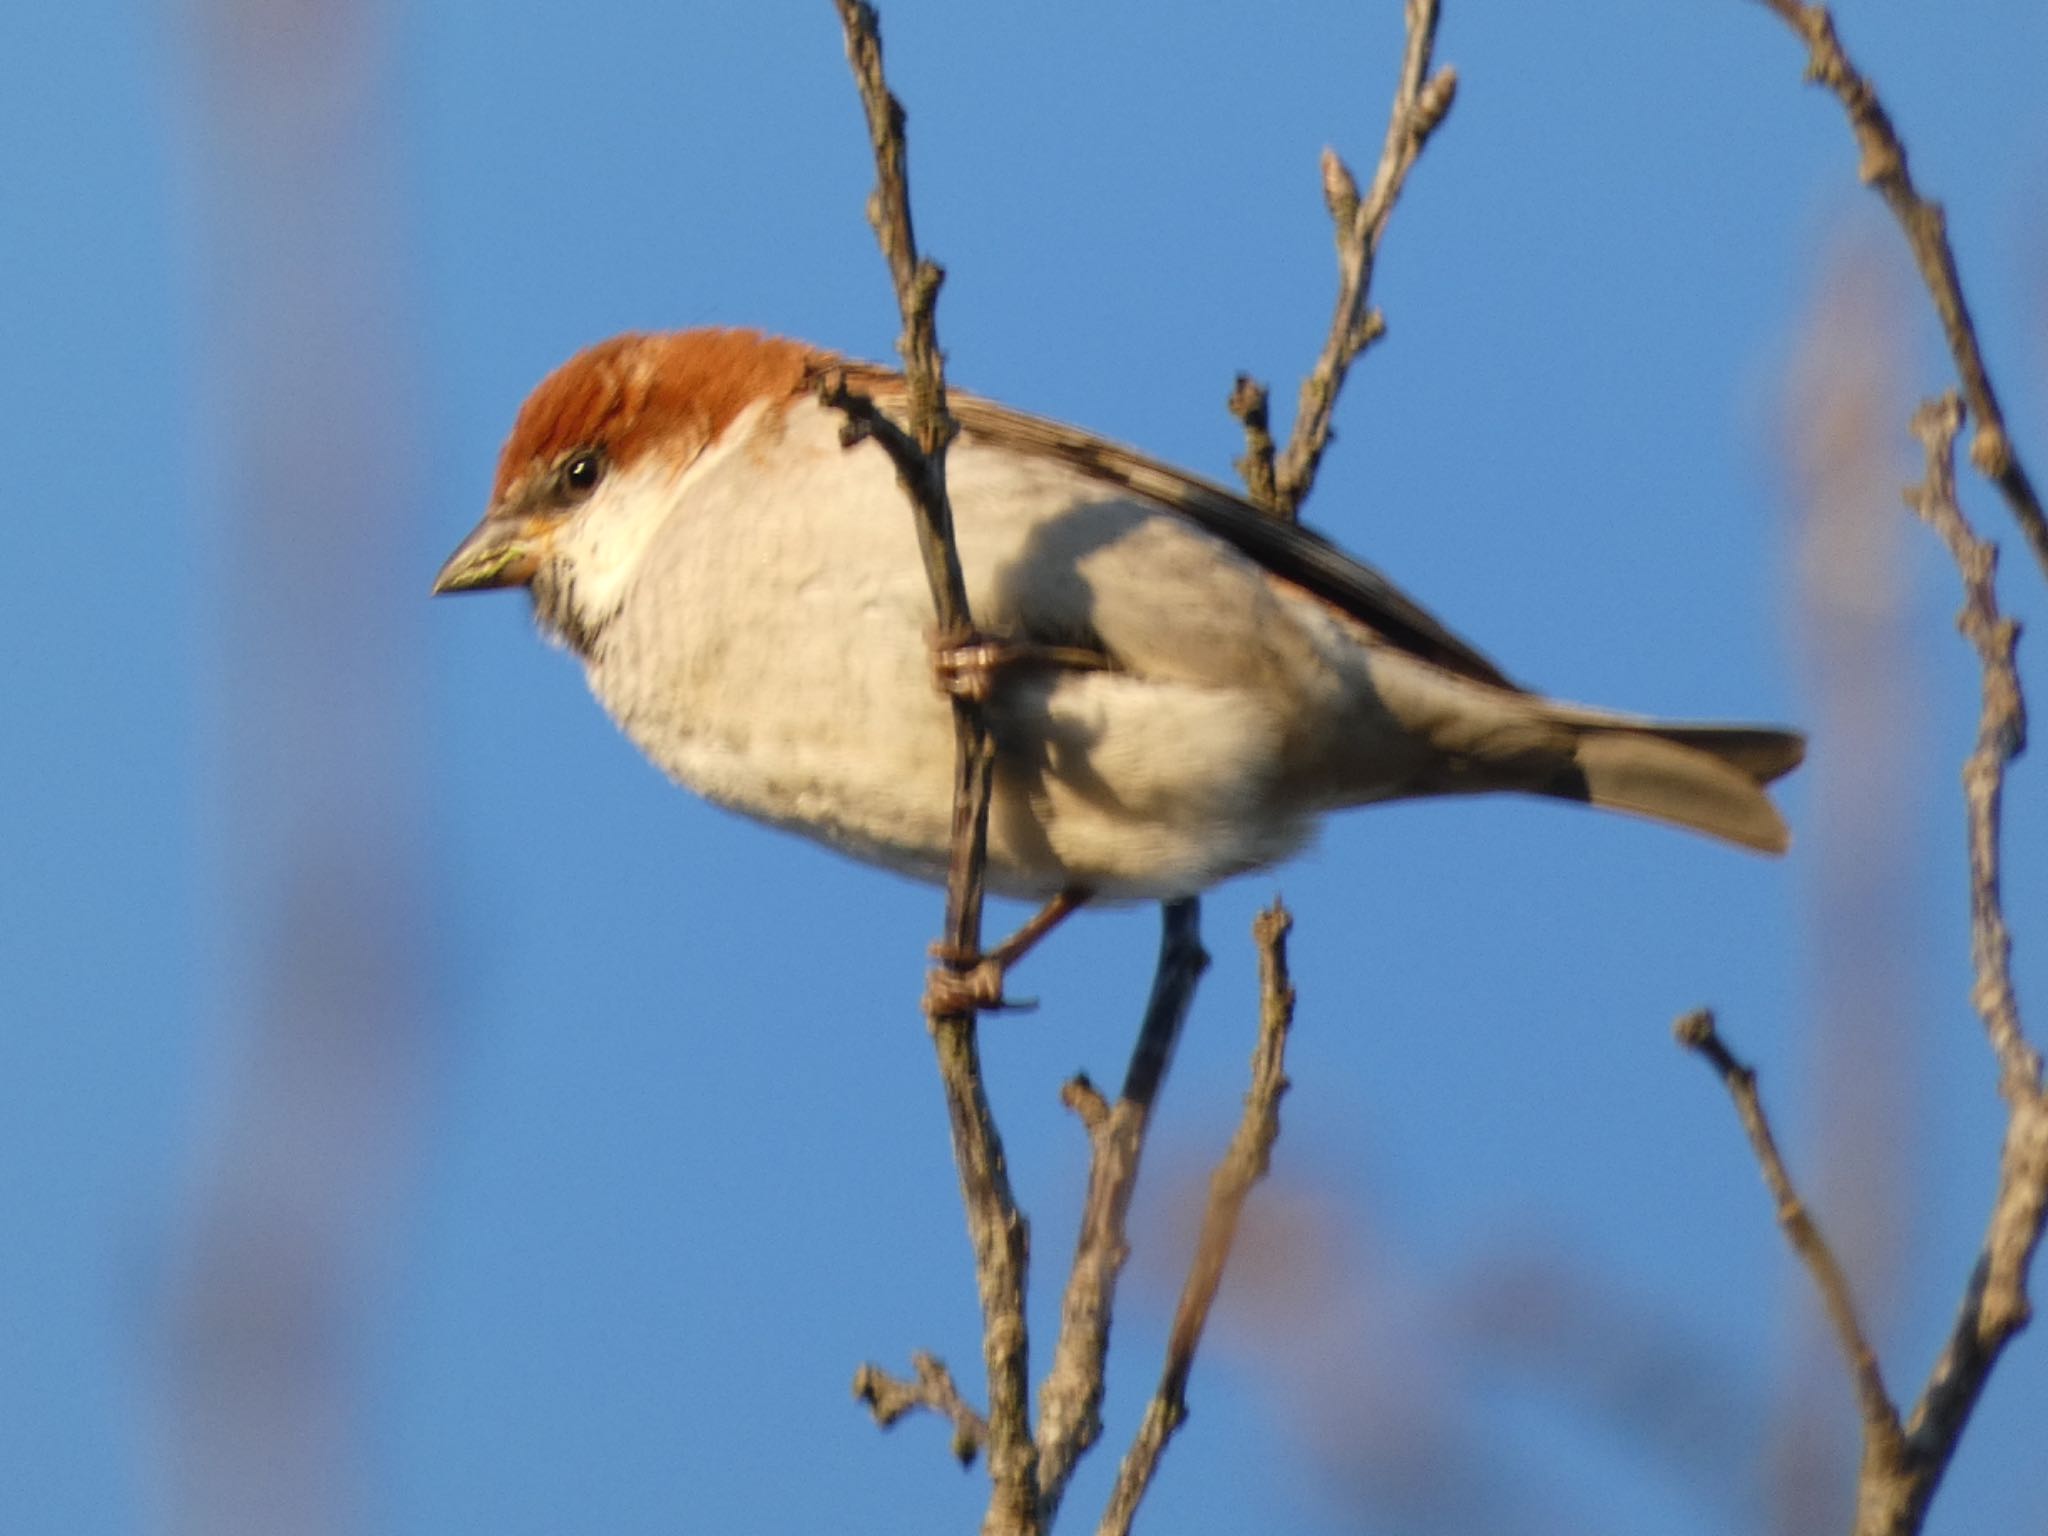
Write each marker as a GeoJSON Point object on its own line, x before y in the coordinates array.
{"type": "Point", "coordinates": [638, 393]}
{"type": "Point", "coordinates": [614, 413]}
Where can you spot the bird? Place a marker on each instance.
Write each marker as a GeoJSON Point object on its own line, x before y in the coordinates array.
{"type": "Point", "coordinates": [1186, 684]}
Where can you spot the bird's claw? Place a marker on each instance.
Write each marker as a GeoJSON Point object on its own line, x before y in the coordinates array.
{"type": "Point", "coordinates": [975, 986]}
{"type": "Point", "coordinates": [968, 670]}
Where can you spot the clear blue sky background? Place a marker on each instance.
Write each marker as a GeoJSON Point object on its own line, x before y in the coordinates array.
{"type": "Point", "coordinates": [673, 1158]}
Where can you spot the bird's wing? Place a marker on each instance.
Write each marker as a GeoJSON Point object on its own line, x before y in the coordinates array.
{"type": "Point", "coordinates": [1286, 549]}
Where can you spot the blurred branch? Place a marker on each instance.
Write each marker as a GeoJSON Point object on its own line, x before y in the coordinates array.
{"type": "Point", "coordinates": [1243, 1164]}
{"type": "Point", "coordinates": [323, 1029]}
{"type": "Point", "coordinates": [1881, 164]}
{"type": "Point", "coordinates": [1421, 100]}
{"type": "Point", "coordinates": [997, 1228]}
{"type": "Point", "coordinates": [1865, 1034]}
{"type": "Point", "coordinates": [1070, 1400]}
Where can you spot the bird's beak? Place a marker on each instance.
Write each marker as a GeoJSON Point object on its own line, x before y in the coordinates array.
{"type": "Point", "coordinates": [503, 551]}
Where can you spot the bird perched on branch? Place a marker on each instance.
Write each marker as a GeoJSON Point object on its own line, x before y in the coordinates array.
{"type": "Point", "coordinates": [1183, 685]}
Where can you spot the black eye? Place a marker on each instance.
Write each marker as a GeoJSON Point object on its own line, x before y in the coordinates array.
{"type": "Point", "coordinates": [582, 470]}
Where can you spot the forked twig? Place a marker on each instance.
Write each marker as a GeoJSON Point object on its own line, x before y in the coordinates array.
{"type": "Point", "coordinates": [933, 1390]}
{"type": "Point", "coordinates": [1421, 100]}
{"type": "Point", "coordinates": [1278, 482]}
{"type": "Point", "coordinates": [1070, 1399]}
{"type": "Point", "coordinates": [1242, 1166]}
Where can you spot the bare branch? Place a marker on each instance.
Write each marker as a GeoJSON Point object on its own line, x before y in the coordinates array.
{"type": "Point", "coordinates": [921, 464]}
{"type": "Point", "coordinates": [2001, 736]}
{"type": "Point", "coordinates": [1995, 1305]}
{"type": "Point", "coordinates": [1881, 163]}
{"type": "Point", "coordinates": [1070, 1400]}
{"type": "Point", "coordinates": [1421, 100]}
{"type": "Point", "coordinates": [1696, 1033]}
{"type": "Point", "coordinates": [1002, 1250]}
{"type": "Point", "coordinates": [1981, 1331]}
{"type": "Point", "coordinates": [1903, 1465]}
{"type": "Point", "coordinates": [1899, 1479]}
{"type": "Point", "coordinates": [1243, 1164]}
{"type": "Point", "coordinates": [996, 1227]}
{"type": "Point", "coordinates": [890, 1398]}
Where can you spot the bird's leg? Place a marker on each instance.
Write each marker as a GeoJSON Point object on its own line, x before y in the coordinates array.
{"type": "Point", "coordinates": [965, 983]}
{"type": "Point", "coordinates": [968, 668]}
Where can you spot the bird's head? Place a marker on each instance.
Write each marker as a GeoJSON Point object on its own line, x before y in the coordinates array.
{"type": "Point", "coordinates": [593, 465]}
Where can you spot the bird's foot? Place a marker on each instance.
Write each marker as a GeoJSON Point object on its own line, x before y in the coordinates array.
{"type": "Point", "coordinates": [969, 669]}
{"type": "Point", "coordinates": [967, 982]}
{"type": "Point", "coordinates": [975, 986]}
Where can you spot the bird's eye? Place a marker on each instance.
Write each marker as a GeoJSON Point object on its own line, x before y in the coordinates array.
{"type": "Point", "coordinates": [582, 470]}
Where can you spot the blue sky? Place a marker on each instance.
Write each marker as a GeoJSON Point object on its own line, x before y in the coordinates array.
{"type": "Point", "coordinates": [649, 1154]}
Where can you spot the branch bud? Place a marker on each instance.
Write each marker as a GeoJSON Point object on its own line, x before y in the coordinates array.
{"type": "Point", "coordinates": [1340, 190]}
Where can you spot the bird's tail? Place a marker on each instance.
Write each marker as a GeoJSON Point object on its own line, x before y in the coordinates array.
{"type": "Point", "coordinates": [1709, 778]}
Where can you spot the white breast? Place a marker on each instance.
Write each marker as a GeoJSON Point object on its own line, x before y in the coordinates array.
{"type": "Point", "coordinates": [770, 653]}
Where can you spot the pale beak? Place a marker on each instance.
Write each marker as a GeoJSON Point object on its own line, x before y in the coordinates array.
{"type": "Point", "coordinates": [503, 551]}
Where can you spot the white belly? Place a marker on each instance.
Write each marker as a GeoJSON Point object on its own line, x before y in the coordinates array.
{"type": "Point", "coordinates": [773, 658]}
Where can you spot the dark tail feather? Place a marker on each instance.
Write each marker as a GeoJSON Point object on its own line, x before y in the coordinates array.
{"type": "Point", "coordinates": [1709, 778]}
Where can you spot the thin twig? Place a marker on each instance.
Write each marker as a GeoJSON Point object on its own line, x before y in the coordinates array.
{"type": "Point", "coordinates": [1881, 163]}
{"type": "Point", "coordinates": [1251, 403]}
{"type": "Point", "coordinates": [2001, 737]}
{"type": "Point", "coordinates": [1070, 1399]}
{"type": "Point", "coordinates": [890, 1398]}
{"type": "Point", "coordinates": [1421, 100]}
{"type": "Point", "coordinates": [1995, 1305]}
{"type": "Point", "coordinates": [997, 1228]}
{"type": "Point", "coordinates": [916, 279]}
{"type": "Point", "coordinates": [1002, 1250]}
{"type": "Point", "coordinates": [922, 473]}
{"type": "Point", "coordinates": [1696, 1033]}
{"type": "Point", "coordinates": [1243, 1164]}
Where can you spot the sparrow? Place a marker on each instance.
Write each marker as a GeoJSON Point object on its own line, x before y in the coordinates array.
{"type": "Point", "coordinates": [1192, 683]}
